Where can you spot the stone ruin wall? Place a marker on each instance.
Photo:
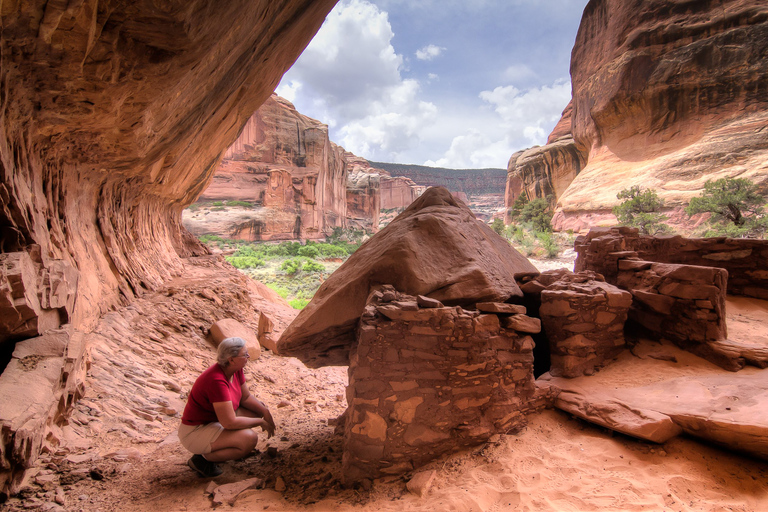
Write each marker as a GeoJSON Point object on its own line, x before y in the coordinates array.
{"type": "Point", "coordinates": [425, 380]}
{"type": "Point", "coordinates": [746, 260]}
{"type": "Point", "coordinates": [583, 318]}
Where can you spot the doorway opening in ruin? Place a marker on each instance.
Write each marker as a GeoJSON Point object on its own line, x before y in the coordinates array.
{"type": "Point", "coordinates": [541, 358]}
{"type": "Point", "coordinates": [6, 353]}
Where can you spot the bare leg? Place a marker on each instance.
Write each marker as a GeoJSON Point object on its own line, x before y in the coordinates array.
{"type": "Point", "coordinates": [234, 444]}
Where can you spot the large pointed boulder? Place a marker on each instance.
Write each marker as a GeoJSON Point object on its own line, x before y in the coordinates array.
{"type": "Point", "coordinates": [435, 248]}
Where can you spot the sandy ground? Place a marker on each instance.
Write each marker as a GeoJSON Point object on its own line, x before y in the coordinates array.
{"type": "Point", "coordinates": [114, 456]}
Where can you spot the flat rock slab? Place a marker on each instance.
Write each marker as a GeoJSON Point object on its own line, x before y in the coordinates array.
{"type": "Point", "coordinates": [729, 410]}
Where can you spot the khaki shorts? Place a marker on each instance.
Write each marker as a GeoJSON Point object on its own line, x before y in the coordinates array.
{"type": "Point", "coordinates": [198, 438]}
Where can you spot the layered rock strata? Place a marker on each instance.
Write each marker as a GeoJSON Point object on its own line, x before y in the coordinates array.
{"type": "Point", "coordinates": [285, 166]}
{"type": "Point", "coordinates": [663, 95]}
{"type": "Point", "coordinates": [746, 260]}
{"type": "Point", "coordinates": [583, 318]}
{"type": "Point", "coordinates": [546, 171]}
{"type": "Point", "coordinates": [425, 380]}
{"type": "Point", "coordinates": [116, 117]}
{"type": "Point", "coordinates": [436, 248]}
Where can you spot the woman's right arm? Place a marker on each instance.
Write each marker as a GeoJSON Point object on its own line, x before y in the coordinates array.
{"type": "Point", "coordinates": [225, 413]}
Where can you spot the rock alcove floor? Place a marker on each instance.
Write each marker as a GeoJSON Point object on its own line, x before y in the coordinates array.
{"type": "Point", "coordinates": [120, 452]}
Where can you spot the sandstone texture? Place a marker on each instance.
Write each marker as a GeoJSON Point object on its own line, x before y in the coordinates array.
{"type": "Point", "coordinates": [746, 260]}
{"type": "Point", "coordinates": [682, 302]}
{"type": "Point", "coordinates": [664, 95]}
{"type": "Point", "coordinates": [116, 117]}
{"type": "Point", "coordinates": [436, 248]}
{"type": "Point", "coordinates": [284, 165]}
{"type": "Point", "coordinates": [546, 171]}
{"type": "Point", "coordinates": [583, 318]}
{"type": "Point", "coordinates": [428, 381]}
{"type": "Point", "coordinates": [728, 411]}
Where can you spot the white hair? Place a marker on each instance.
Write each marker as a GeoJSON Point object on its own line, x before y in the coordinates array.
{"type": "Point", "coordinates": [229, 347]}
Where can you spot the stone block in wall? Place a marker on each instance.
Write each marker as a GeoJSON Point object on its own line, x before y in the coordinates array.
{"type": "Point", "coordinates": [681, 303]}
{"type": "Point", "coordinates": [426, 381]}
{"type": "Point", "coordinates": [583, 318]}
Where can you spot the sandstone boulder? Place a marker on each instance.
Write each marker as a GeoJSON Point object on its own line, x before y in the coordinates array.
{"type": "Point", "coordinates": [436, 248]}
{"type": "Point", "coordinates": [229, 328]}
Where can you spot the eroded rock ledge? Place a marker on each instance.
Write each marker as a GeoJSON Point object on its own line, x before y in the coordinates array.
{"type": "Point", "coordinates": [115, 115]}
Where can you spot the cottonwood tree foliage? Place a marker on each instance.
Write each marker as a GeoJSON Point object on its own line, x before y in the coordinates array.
{"type": "Point", "coordinates": [737, 208]}
{"type": "Point", "coordinates": [641, 209]}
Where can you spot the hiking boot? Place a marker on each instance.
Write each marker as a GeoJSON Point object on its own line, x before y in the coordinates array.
{"type": "Point", "coordinates": [203, 466]}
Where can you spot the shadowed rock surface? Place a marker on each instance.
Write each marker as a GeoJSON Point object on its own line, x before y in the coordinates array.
{"type": "Point", "coordinates": [436, 248]}
{"type": "Point", "coordinates": [115, 117]}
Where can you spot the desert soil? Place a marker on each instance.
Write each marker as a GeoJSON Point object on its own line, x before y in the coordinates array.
{"type": "Point", "coordinates": [120, 451]}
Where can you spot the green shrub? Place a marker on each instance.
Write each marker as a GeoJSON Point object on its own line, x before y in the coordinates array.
{"type": "Point", "coordinates": [498, 226]}
{"type": "Point", "coordinates": [641, 209]}
{"type": "Point", "coordinates": [291, 266]}
{"type": "Point", "coordinates": [517, 207]}
{"type": "Point", "coordinates": [536, 213]}
{"type": "Point", "coordinates": [308, 251]}
{"type": "Point", "coordinates": [245, 261]}
{"type": "Point", "coordinates": [298, 303]}
{"type": "Point", "coordinates": [313, 266]}
{"type": "Point", "coordinates": [737, 208]}
{"type": "Point", "coordinates": [217, 203]}
{"type": "Point", "coordinates": [245, 204]}
{"type": "Point", "coordinates": [549, 244]}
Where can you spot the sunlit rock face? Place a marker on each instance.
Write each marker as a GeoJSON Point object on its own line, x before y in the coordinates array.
{"type": "Point", "coordinates": [115, 115]}
{"type": "Point", "coordinates": [666, 95]}
{"type": "Point", "coordinates": [285, 166]}
{"type": "Point", "coordinates": [545, 171]}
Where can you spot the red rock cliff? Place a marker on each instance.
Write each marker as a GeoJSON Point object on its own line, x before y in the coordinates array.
{"type": "Point", "coordinates": [666, 95]}
{"type": "Point", "coordinates": [283, 164]}
{"type": "Point", "coordinates": [115, 115]}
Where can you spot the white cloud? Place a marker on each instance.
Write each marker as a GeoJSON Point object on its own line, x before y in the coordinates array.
{"type": "Point", "coordinates": [350, 77]}
{"type": "Point", "coordinates": [516, 120]}
{"type": "Point", "coordinates": [429, 52]}
{"type": "Point", "coordinates": [517, 73]}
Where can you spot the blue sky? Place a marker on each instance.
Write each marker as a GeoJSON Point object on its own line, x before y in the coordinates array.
{"type": "Point", "coordinates": [453, 83]}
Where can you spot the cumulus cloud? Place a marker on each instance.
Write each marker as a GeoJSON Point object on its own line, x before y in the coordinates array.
{"type": "Point", "coordinates": [350, 77]}
{"type": "Point", "coordinates": [514, 119]}
{"type": "Point", "coordinates": [429, 52]}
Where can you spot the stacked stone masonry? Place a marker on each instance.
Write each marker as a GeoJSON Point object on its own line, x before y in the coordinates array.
{"type": "Point", "coordinates": [583, 318]}
{"type": "Point", "coordinates": [746, 260]}
{"type": "Point", "coordinates": [425, 380]}
{"type": "Point", "coordinates": [682, 303]}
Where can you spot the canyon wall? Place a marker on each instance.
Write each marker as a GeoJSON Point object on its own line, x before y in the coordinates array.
{"type": "Point", "coordinates": [285, 166]}
{"type": "Point", "coordinates": [665, 95]}
{"type": "Point", "coordinates": [115, 115]}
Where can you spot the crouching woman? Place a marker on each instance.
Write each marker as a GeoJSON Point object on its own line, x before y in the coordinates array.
{"type": "Point", "coordinates": [220, 413]}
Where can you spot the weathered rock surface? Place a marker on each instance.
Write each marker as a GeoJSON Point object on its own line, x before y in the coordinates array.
{"type": "Point", "coordinates": [428, 381]}
{"type": "Point", "coordinates": [284, 165]}
{"type": "Point", "coordinates": [583, 318]}
{"type": "Point", "coordinates": [436, 248]}
{"type": "Point", "coordinates": [727, 410]}
{"type": "Point", "coordinates": [746, 260]}
{"type": "Point", "coordinates": [541, 172]}
{"type": "Point", "coordinates": [116, 117]}
{"type": "Point", "coordinates": [665, 95]}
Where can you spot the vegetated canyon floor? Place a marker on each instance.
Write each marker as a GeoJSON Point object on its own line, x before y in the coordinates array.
{"type": "Point", "coordinates": [555, 463]}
